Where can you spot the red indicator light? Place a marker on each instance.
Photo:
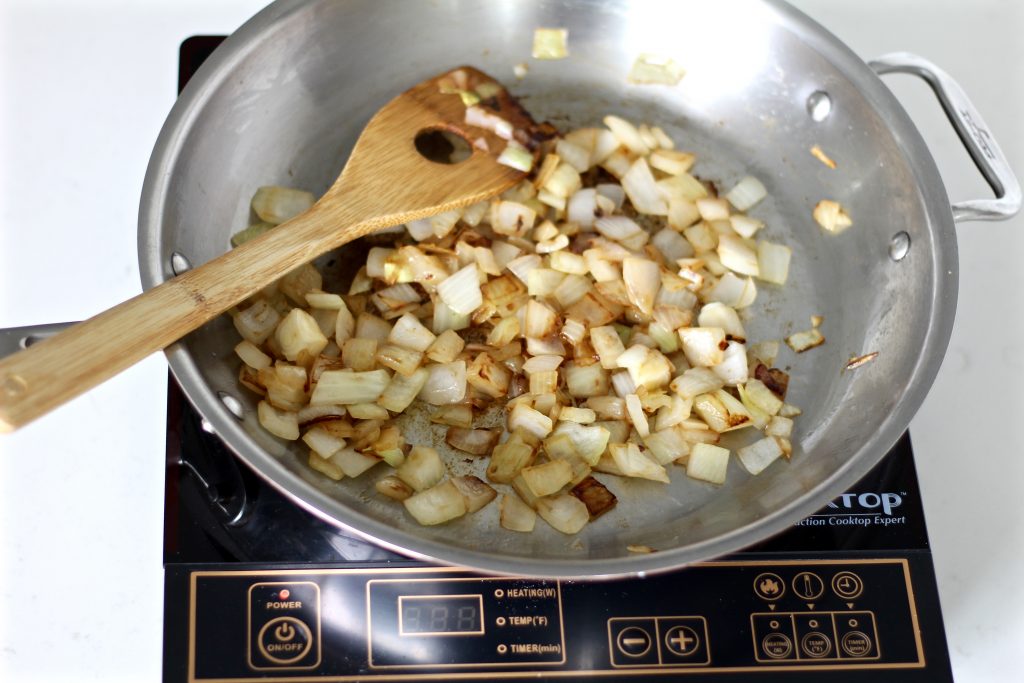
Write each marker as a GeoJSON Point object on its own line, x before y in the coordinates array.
{"type": "Point", "coordinates": [283, 595]}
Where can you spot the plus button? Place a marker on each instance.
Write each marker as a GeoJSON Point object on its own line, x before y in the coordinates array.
{"type": "Point", "coordinates": [682, 641]}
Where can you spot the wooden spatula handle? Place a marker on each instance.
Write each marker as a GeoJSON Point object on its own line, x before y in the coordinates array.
{"type": "Point", "coordinates": [55, 370]}
{"type": "Point", "coordinates": [386, 181]}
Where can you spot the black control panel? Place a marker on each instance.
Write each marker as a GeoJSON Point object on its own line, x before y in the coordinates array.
{"type": "Point", "coordinates": [419, 623]}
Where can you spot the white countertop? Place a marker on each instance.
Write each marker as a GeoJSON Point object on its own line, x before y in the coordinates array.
{"type": "Point", "coordinates": [84, 89]}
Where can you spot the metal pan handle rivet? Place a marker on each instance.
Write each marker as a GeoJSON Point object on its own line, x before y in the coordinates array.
{"type": "Point", "coordinates": [232, 404]}
{"type": "Point", "coordinates": [899, 245]}
{"type": "Point", "coordinates": [179, 263]}
{"type": "Point", "coordinates": [819, 105]}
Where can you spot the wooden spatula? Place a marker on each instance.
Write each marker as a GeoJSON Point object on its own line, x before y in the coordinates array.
{"type": "Point", "coordinates": [385, 182]}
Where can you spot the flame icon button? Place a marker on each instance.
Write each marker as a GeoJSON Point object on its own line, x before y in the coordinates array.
{"type": "Point", "coordinates": [769, 586]}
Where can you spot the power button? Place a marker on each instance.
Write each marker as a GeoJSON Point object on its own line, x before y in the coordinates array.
{"type": "Point", "coordinates": [284, 625]}
{"type": "Point", "coordinates": [284, 640]}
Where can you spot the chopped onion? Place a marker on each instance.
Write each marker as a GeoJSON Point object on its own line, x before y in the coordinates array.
{"type": "Point", "coordinates": [633, 357]}
{"type": "Point", "coordinates": [512, 218]}
{"type": "Point", "coordinates": [393, 488]}
{"type": "Point", "coordinates": [708, 463]}
{"type": "Point", "coordinates": [636, 415]}
{"type": "Point", "coordinates": [446, 347]}
{"type": "Point", "coordinates": [773, 262]}
{"type": "Point", "coordinates": [343, 387]}
{"type": "Point", "coordinates": [472, 441]}
{"type": "Point", "coordinates": [394, 298]}
{"type": "Point", "coordinates": [746, 193]}
{"type": "Point", "coordinates": [744, 226]}
{"type": "Point", "coordinates": [667, 445]}
{"type": "Point", "coordinates": [577, 415]}
{"type": "Point", "coordinates": [480, 117]}
{"type": "Point", "coordinates": [320, 299]}
{"type": "Point", "coordinates": [571, 289]}
{"type": "Point", "coordinates": [550, 345]}
{"type": "Point", "coordinates": [487, 376]}
{"type": "Point", "coordinates": [436, 505]}
{"type": "Point", "coordinates": [651, 68]}
{"type": "Point", "coordinates": [758, 455]}
{"type": "Point", "coordinates": [632, 462]}
{"type": "Point", "coordinates": [583, 381]}
{"type": "Point", "coordinates": [608, 345]}
{"type": "Point", "coordinates": [703, 345]}
{"type": "Point", "coordinates": [422, 468]}
{"type": "Point", "coordinates": [763, 397]}
{"type": "Point", "coordinates": [664, 141]}
{"type": "Point", "coordinates": [252, 356]}
{"type": "Point", "coordinates": [359, 354]}
{"type": "Point", "coordinates": [540, 320]}
{"type": "Point", "coordinates": [563, 512]}
{"type": "Point", "coordinates": [516, 156]}
{"type": "Point", "coordinates": [671, 245]}
{"type": "Point", "coordinates": [733, 291]}
{"type": "Point", "coordinates": [447, 319]}
{"type": "Point", "coordinates": [733, 368]}
{"type": "Point", "coordinates": [568, 262]}
{"type": "Point", "coordinates": [521, 267]}
{"type": "Point", "coordinates": [445, 384]}
{"type": "Point", "coordinates": [582, 206]}
{"type": "Point", "coordinates": [275, 204]}
{"type": "Point", "coordinates": [280, 423]}
{"type": "Point", "coordinates": [683, 186]}
{"type": "Point", "coordinates": [617, 227]}
{"type": "Point", "coordinates": [737, 255]}
{"type": "Point", "coordinates": [461, 291]}
{"type": "Point", "coordinates": [802, 341]}
{"type": "Point", "coordinates": [257, 322]}
{"type": "Point", "coordinates": [530, 421]}
{"type": "Point", "coordinates": [764, 352]}
{"type": "Point", "coordinates": [515, 515]}
{"type": "Point", "coordinates": [564, 181]}
{"type": "Point", "coordinates": [626, 134]}
{"type": "Point", "coordinates": [550, 43]}
{"type": "Point", "coordinates": [509, 458]}
{"type": "Point", "coordinates": [476, 493]}
{"type": "Point", "coordinates": [402, 390]}
{"type": "Point", "coordinates": [401, 360]}
{"type": "Point", "coordinates": [779, 426]}
{"type": "Point", "coordinates": [643, 193]}
{"type": "Point", "coordinates": [717, 314]}
{"type": "Point", "coordinates": [831, 216]}
{"type": "Point", "coordinates": [410, 333]}
{"type": "Point", "coordinates": [672, 162]}
{"type": "Point", "coordinates": [542, 364]}
{"type": "Point", "coordinates": [547, 478]}
{"type": "Point", "coordinates": [573, 154]}
{"type": "Point", "coordinates": [643, 279]}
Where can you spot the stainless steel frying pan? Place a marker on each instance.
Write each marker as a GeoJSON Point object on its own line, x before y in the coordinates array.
{"type": "Point", "coordinates": [283, 100]}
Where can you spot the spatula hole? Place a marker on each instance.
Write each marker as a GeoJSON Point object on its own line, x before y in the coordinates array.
{"type": "Point", "coordinates": [442, 146]}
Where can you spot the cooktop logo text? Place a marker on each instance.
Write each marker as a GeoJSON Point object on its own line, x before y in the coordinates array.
{"type": "Point", "coordinates": [861, 509]}
{"type": "Point", "coordinates": [888, 502]}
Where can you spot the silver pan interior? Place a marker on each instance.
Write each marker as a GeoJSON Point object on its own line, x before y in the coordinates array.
{"type": "Point", "coordinates": [283, 100]}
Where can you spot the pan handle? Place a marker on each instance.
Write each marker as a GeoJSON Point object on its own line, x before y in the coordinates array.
{"type": "Point", "coordinates": [973, 133]}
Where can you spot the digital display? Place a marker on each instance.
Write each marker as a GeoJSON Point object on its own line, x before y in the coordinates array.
{"type": "Point", "coordinates": [435, 615]}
